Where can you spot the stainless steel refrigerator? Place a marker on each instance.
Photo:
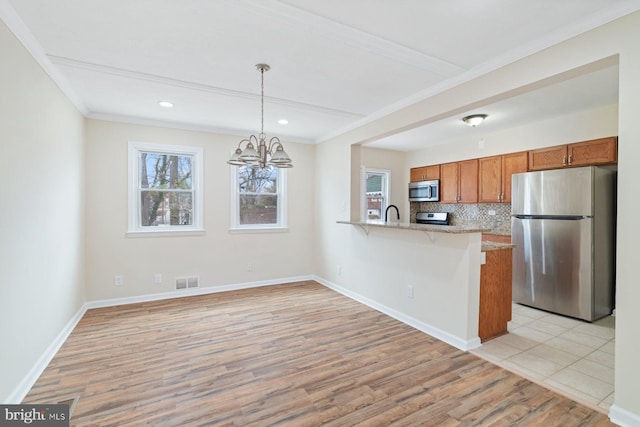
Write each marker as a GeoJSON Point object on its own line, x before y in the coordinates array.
{"type": "Point", "coordinates": [563, 228]}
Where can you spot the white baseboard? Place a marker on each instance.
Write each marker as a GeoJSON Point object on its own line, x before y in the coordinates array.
{"type": "Point", "coordinates": [462, 344]}
{"type": "Point", "coordinates": [30, 379]}
{"type": "Point", "coordinates": [623, 417]}
{"type": "Point", "coordinates": [32, 376]}
{"type": "Point", "coordinates": [191, 292]}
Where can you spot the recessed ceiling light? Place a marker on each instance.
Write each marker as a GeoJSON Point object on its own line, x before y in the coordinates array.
{"type": "Point", "coordinates": [165, 104]}
{"type": "Point", "coordinates": [283, 121]}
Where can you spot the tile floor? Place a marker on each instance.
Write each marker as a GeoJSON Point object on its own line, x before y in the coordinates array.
{"type": "Point", "coordinates": [572, 357]}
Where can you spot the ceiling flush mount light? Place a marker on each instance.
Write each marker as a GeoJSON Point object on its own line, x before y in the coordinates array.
{"type": "Point", "coordinates": [474, 119]}
{"type": "Point", "coordinates": [257, 152]}
{"type": "Point", "coordinates": [165, 104]}
{"type": "Point", "coordinates": [283, 122]}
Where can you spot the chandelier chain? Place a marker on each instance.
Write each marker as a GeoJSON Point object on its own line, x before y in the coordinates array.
{"type": "Point", "coordinates": [262, 101]}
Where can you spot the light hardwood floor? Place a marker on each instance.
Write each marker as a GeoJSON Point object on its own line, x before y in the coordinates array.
{"type": "Point", "coordinates": [295, 354]}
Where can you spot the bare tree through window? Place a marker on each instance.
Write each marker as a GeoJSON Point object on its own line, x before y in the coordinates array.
{"type": "Point", "coordinates": [258, 195]}
{"type": "Point", "coordinates": [166, 189]}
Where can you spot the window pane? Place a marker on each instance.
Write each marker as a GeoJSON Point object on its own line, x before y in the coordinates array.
{"type": "Point", "coordinates": [376, 194]}
{"type": "Point", "coordinates": [159, 208]}
{"type": "Point", "coordinates": [374, 207]}
{"type": "Point", "coordinates": [258, 209]}
{"type": "Point", "coordinates": [256, 180]}
{"type": "Point", "coordinates": [374, 183]}
{"type": "Point", "coordinates": [165, 171]}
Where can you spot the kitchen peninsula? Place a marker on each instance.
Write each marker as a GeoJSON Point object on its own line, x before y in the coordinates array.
{"type": "Point", "coordinates": [434, 276]}
{"type": "Point", "coordinates": [418, 227]}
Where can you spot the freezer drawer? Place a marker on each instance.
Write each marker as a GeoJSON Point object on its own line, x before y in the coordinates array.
{"type": "Point", "coordinates": [552, 265]}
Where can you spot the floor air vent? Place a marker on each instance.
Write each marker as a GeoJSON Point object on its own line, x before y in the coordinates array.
{"type": "Point", "coordinates": [187, 282]}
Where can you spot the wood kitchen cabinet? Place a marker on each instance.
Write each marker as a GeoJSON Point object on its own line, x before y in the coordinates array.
{"type": "Point", "coordinates": [495, 294]}
{"type": "Point", "coordinates": [468, 181]}
{"type": "Point", "coordinates": [494, 176]}
{"type": "Point", "coordinates": [586, 153]}
{"type": "Point", "coordinates": [459, 182]}
{"type": "Point", "coordinates": [425, 173]}
{"type": "Point", "coordinates": [449, 183]}
{"type": "Point", "coordinates": [595, 152]}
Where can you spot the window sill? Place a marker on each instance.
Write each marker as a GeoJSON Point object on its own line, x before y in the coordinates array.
{"type": "Point", "coordinates": [259, 230]}
{"type": "Point", "coordinates": [166, 233]}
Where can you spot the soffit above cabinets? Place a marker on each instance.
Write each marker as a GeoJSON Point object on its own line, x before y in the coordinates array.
{"type": "Point", "coordinates": [334, 64]}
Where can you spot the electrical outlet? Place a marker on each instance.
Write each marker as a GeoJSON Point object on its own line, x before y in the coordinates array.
{"type": "Point", "coordinates": [410, 291]}
{"type": "Point", "coordinates": [157, 278]}
{"type": "Point", "coordinates": [249, 267]}
{"type": "Point", "coordinates": [491, 212]}
{"type": "Point", "coordinates": [118, 281]}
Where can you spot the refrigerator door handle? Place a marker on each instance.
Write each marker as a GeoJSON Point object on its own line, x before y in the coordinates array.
{"type": "Point", "coordinates": [558, 217]}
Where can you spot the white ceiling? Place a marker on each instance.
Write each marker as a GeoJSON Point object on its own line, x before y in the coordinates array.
{"type": "Point", "coordinates": [583, 92]}
{"type": "Point", "coordinates": [335, 64]}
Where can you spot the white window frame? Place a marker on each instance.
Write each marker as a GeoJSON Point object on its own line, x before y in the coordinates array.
{"type": "Point", "coordinates": [135, 229]}
{"type": "Point", "coordinates": [280, 227]}
{"type": "Point", "coordinates": [364, 217]}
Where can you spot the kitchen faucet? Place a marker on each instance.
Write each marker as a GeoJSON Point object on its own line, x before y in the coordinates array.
{"type": "Point", "coordinates": [386, 212]}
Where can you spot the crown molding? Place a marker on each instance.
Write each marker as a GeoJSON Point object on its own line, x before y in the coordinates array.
{"type": "Point", "coordinates": [168, 81]}
{"type": "Point", "coordinates": [358, 39]}
{"type": "Point", "coordinates": [187, 126]}
{"type": "Point", "coordinates": [24, 36]}
{"type": "Point", "coordinates": [554, 38]}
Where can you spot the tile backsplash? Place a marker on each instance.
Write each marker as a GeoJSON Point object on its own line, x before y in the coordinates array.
{"type": "Point", "coordinates": [461, 213]}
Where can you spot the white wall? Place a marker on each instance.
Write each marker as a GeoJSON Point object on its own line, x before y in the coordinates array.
{"type": "Point", "coordinates": [616, 38]}
{"type": "Point", "coordinates": [41, 213]}
{"type": "Point", "coordinates": [218, 257]}
{"type": "Point", "coordinates": [396, 163]}
{"type": "Point", "coordinates": [580, 126]}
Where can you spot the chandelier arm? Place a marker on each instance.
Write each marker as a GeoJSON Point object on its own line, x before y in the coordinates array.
{"type": "Point", "coordinates": [273, 143]}
{"type": "Point", "coordinates": [244, 140]}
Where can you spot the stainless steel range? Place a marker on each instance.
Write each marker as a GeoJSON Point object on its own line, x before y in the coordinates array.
{"type": "Point", "coordinates": [434, 218]}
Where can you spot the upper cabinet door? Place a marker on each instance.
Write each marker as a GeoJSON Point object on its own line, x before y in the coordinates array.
{"type": "Point", "coordinates": [449, 183]}
{"type": "Point", "coordinates": [490, 179]}
{"type": "Point", "coordinates": [548, 158]}
{"type": "Point", "coordinates": [468, 181]}
{"type": "Point", "coordinates": [595, 152]}
{"type": "Point", "coordinates": [424, 173]}
{"type": "Point", "coordinates": [417, 174]}
{"type": "Point", "coordinates": [432, 172]}
{"type": "Point", "coordinates": [512, 163]}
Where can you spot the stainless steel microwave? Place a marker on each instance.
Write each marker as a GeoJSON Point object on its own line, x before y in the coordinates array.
{"type": "Point", "coordinates": [424, 191]}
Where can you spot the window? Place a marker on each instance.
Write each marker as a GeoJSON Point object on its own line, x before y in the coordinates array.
{"type": "Point", "coordinates": [375, 194]}
{"type": "Point", "coordinates": [259, 200]}
{"type": "Point", "coordinates": [165, 194]}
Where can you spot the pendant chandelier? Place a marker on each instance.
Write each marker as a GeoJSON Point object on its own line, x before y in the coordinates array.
{"type": "Point", "coordinates": [257, 152]}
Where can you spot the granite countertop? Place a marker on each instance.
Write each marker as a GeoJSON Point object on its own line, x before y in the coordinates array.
{"type": "Point", "coordinates": [499, 232]}
{"type": "Point", "coordinates": [456, 229]}
{"type": "Point", "coordinates": [496, 246]}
